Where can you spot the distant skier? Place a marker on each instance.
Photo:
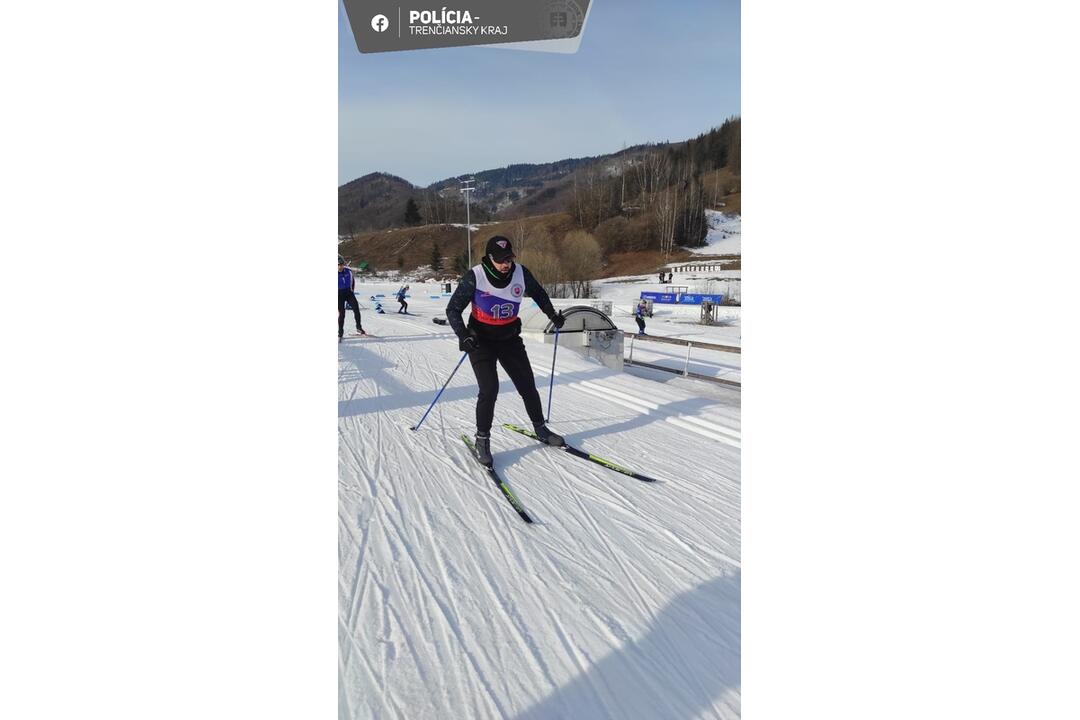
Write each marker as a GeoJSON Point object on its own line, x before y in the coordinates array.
{"type": "Point", "coordinates": [495, 288]}
{"type": "Point", "coordinates": [401, 299]}
{"type": "Point", "coordinates": [639, 316]}
{"type": "Point", "coordinates": [346, 284]}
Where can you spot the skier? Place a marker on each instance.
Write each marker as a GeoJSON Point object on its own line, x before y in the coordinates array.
{"type": "Point", "coordinates": [346, 284]}
{"type": "Point", "coordinates": [495, 288]}
{"type": "Point", "coordinates": [401, 299]}
{"type": "Point", "coordinates": [639, 316]}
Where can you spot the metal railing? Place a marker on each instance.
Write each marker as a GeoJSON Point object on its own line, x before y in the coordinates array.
{"type": "Point", "coordinates": [690, 344]}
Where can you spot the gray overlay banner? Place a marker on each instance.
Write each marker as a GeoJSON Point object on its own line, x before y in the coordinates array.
{"type": "Point", "coordinates": [380, 26]}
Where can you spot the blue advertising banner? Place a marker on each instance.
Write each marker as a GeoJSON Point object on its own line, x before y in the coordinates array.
{"type": "Point", "coordinates": [688, 299]}
{"type": "Point", "coordinates": [680, 299]}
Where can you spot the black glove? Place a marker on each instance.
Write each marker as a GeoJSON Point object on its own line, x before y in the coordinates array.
{"type": "Point", "coordinates": [558, 320]}
{"type": "Point", "coordinates": [468, 343]}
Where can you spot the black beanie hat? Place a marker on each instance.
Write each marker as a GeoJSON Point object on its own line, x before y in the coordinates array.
{"type": "Point", "coordinates": [499, 248]}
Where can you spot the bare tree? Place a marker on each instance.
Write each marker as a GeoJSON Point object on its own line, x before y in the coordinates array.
{"type": "Point", "coordinates": [652, 174]}
{"type": "Point", "coordinates": [664, 201]}
{"type": "Point", "coordinates": [544, 265]}
{"type": "Point", "coordinates": [520, 234]}
{"type": "Point", "coordinates": [622, 178]}
{"type": "Point", "coordinates": [581, 259]}
{"type": "Point", "coordinates": [594, 197]}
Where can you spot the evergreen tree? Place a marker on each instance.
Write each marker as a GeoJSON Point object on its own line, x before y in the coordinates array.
{"type": "Point", "coordinates": [436, 257]}
{"type": "Point", "coordinates": [461, 262]}
{"type": "Point", "coordinates": [412, 213]}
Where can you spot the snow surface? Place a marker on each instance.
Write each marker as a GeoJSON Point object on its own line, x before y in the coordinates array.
{"type": "Point", "coordinates": [724, 236]}
{"type": "Point", "coordinates": [622, 600]}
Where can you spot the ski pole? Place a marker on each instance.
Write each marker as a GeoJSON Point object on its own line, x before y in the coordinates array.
{"type": "Point", "coordinates": [551, 383]}
{"type": "Point", "coordinates": [463, 356]}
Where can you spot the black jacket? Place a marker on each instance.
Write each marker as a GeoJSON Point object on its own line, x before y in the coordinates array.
{"type": "Point", "coordinates": [463, 297]}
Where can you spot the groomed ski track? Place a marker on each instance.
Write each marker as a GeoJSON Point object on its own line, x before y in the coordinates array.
{"type": "Point", "coordinates": [622, 600]}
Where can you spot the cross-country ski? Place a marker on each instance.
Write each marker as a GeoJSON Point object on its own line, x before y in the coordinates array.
{"type": "Point", "coordinates": [570, 449]}
{"type": "Point", "coordinates": [499, 483]}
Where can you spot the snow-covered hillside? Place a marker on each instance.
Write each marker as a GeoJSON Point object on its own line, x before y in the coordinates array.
{"type": "Point", "coordinates": [620, 601]}
{"type": "Point", "coordinates": [724, 236]}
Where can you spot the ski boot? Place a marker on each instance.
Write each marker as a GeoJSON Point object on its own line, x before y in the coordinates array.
{"type": "Point", "coordinates": [483, 448]}
{"type": "Point", "coordinates": [546, 436]}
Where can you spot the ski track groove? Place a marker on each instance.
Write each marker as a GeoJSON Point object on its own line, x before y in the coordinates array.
{"type": "Point", "coordinates": [522, 635]}
{"type": "Point", "coordinates": [441, 565]}
{"type": "Point", "coordinates": [700, 427]}
{"type": "Point", "coordinates": [594, 526]}
{"type": "Point", "coordinates": [447, 617]}
{"type": "Point", "coordinates": [361, 575]}
{"type": "Point", "coordinates": [581, 662]}
{"type": "Point", "coordinates": [364, 660]}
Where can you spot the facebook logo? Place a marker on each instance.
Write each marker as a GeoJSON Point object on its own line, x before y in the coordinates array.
{"type": "Point", "coordinates": [379, 23]}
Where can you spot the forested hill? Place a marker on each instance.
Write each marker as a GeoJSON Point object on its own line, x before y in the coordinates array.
{"type": "Point", "coordinates": [628, 177]}
{"type": "Point", "coordinates": [373, 202]}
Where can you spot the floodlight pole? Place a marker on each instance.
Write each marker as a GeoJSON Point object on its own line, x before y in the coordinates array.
{"type": "Point", "coordinates": [466, 189]}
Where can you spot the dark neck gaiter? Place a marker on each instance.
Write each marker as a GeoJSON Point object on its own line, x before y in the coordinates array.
{"type": "Point", "coordinates": [498, 279]}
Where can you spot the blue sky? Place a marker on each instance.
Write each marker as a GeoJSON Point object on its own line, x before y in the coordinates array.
{"type": "Point", "coordinates": [646, 71]}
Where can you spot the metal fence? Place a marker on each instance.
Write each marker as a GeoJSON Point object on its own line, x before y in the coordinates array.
{"type": "Point", "coordinates": [690, 344]}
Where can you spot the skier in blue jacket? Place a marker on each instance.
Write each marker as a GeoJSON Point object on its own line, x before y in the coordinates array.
{"type": "Point", "coordinates": [346, 284]}
{"type": "Point", "coordinates": [401, 299]}
{"type": "Point", "coordinates": [639, 316]}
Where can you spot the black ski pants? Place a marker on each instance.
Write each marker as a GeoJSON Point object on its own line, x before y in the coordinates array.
{"type": "Point", "coordinates": [640, 324]}
{"type": "Point", "coordinates": [509, 353]}
{"type": "Point", "coordinates": [404, 305]}
{"type": "Point", "coordinates": [346, 298]}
